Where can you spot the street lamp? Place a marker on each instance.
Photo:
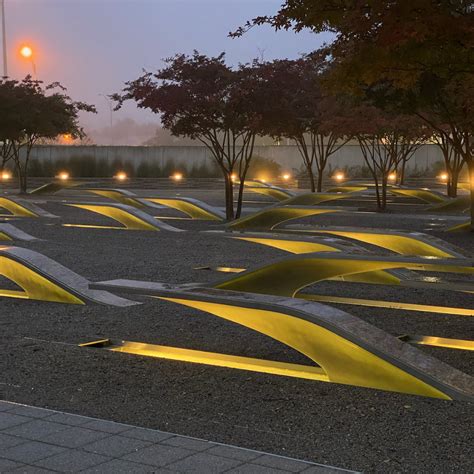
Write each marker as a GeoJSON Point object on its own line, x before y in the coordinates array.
{"type": "Point", "coordinates": [27, 52]}
{"type": "Point", "coordinates": [4, 38]}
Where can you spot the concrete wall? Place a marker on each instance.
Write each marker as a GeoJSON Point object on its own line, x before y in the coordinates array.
{"type": "Point", "coordinates": [188, 156]}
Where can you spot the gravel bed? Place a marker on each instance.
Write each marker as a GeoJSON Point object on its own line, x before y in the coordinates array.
{"type": "Point", "coordinates": [346, 426]}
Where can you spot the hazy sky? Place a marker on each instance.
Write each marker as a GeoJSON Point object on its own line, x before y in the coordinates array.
{"type": "Point", "coordinates": [93, 46]}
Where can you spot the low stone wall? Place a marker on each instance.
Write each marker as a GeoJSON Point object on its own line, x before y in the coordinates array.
{"type": "Point", "coordinates": [188, 157]}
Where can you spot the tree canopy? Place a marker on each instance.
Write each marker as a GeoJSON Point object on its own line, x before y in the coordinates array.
{"type": "Point", "coordinates": [202, 98]}
{"type": "Point", "coordinates": [30, 112]}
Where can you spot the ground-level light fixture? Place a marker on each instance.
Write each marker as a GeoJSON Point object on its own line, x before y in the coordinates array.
{"type": "Point", "coordinates": [286, 176]}
{"type": "Point", "coordinates": [6, 175]}
{"type": "Point", "coordinates": [443, 176]}
{"type": "Point", "coordinates": [63, 175]}
{"type": "Point", "coordinates": [121, 176]}
{"type": "Point", "coordinates": [339, 176]}
{"type": "Point", "coordinates": [392, 176]}
{"type": "Point", "coordinates": [177, 176]}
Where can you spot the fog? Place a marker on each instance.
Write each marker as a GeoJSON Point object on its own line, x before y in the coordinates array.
{"type": "Point", "coordinates": [93, 46]}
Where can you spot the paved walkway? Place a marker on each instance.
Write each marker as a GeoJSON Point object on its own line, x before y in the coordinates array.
{"type": "Point", "coordinates": [37, 440]}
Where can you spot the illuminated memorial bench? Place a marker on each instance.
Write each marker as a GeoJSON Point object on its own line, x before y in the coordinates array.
{"type": "Point", "coordinates": [9, 232]}
{"type": "Point", "coordinates": [301, 244]}
{"type": "Point", "coordinates": [403, 243]}
{"type": "Point", "coordinates": [271, 217]}
{"type": "Point", "coordinates": [54, 187]}
{"type": "Point", "coordinates": [421, 194]}
{"type": "Point", "coordinates": [194, 208]}
{"type": "Point", "coordinates": [22, 208]}
{"type": "Point", "coordinates": [279, 194]}
{"type": "Point", "coordinates": [289, 275]}
{"type": "Point", "coordinates": [343, 349]}
{"type": "Point", "coordinates": [130, 218]}
{"type": "Point", "coordinates": [41, 278]}
{"type": "Point", "coordinates": [460, 204]}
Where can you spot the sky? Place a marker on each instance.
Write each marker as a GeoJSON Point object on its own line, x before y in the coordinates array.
{"type": "Point", "coordinates": [93, 46]}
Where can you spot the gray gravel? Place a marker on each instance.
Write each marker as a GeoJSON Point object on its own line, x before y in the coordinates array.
{"type": "Point", "coordinates": [346, 426]}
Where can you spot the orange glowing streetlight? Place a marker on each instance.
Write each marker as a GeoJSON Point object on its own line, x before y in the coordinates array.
{"type": "Point", "coordinates": [177, 176]}
{"type": "Point", "coordinates": [27, 53]}
{"type": "Point", "coordinates": [286, 176]}
{"type": "Point", "coordinates": [443, 176]}
{"type": "Point", "coordinates": [392, 176]}
{"type": "Point", "coordinates": [339, 176]}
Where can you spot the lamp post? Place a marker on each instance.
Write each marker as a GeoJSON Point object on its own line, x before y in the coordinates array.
{"type": "Point", "coordinates": [4, 38]}
{"type": "Point", "coordinates": [27, 52]}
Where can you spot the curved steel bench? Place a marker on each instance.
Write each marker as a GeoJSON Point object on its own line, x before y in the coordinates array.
{"type": "Point", "coordinates": [194, 208]}
{"type": "Point", "coordinates": [9, 232]}
{"type": "Point", "coordinates": [41, 278]}
{"type": "Point", "coordinates": [343, 349]}
{"type": "Point", "coordinates": [403, 243]}
{"type": "Point", "coordinates": [23, 208]}
{"type": "Point", "coordinates": [269, 218]}
{"type": "Point", "coordinates": [288, 276]}
{"type": "Point", "coordinates": [130, 217]}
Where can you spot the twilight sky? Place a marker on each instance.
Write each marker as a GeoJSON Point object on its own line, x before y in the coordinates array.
{"type": "Point", "coordinates": [93, 46]}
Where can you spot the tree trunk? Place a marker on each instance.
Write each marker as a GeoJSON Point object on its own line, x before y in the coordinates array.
{"type": "Point", "coordinates": [229, 196]}
{"type": "Point", "coordinates": [22, 180]}
{"type": "Point", "coordinates": [320, 181]}
{"type": "Point", "coordinates": [470, 167]}
{"type": "Point", "coordinates": [453, 183]}
{"type": "Point", "coordinates": [401, 179]}
{"type": "Point", "coordinates": [240, 197]}
{"type": "Point", "coordinates": [311, 178]}
{"type": "Point", "coordinates": [384, 193]}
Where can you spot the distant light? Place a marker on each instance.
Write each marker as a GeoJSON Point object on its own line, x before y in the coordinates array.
{"type": "Point", "coordinates": [6, 175]}
{"type": "Point", "coordinates": [263, 180]}
{"type": "Point", "coordinates": [121, 176]}
{"type": "Point", "coordinates": [392, 176]}
{"type": "Point", "coordinates": [339, 176]}
{"type": "Point", "coordinates": [286, 176]}
{"type": "Point", "coordinates": [26, 52]}
{"type": "Point", "coordinates": [177, 176]}
{"type": "Point", "coordinates": [233, 177]}
{"type": "Point", "coordinates": [67, 138]}
{"type": "Point", "coordinates": [443, 176]}
{"type": "Point", "coordinates": [63, 176]}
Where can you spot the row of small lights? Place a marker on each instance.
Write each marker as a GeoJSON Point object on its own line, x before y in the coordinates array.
{"type": "Point", "coordinates": [122, 176]}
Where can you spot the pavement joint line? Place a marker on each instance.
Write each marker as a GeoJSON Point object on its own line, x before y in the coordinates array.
{"type": "Point", "coordinates": [212, 444]}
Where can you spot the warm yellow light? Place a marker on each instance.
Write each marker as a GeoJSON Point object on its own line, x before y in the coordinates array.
{"type": "Point", "coordinates": [339, 176]}
{"type": "Point", "coordinates": [63, 176]}
{"type": "Point", "coordinates": [26, 52]}
{"type": "Point", "coordinates": [67, 138]}
{"type": "Point", "coordinates": [6, 175]}
{"type": "Point", "coordinates": [286, 176]}
{"type": "Point", "coordinates": [392, 176]}
{"type": "Point", "coordinates": [263, 180]}
{"type": "Point", "coordinates": [443, 176]}
{"type": "Point", "coordinates": [121, 176]}
{"type": "Point", "coordinates": [233, 177]}
{"type": "Point", "coordinates": [178, 176]}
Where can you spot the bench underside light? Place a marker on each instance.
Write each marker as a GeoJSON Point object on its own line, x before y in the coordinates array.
{"type": "Point", "coordinates": [340, 347]}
